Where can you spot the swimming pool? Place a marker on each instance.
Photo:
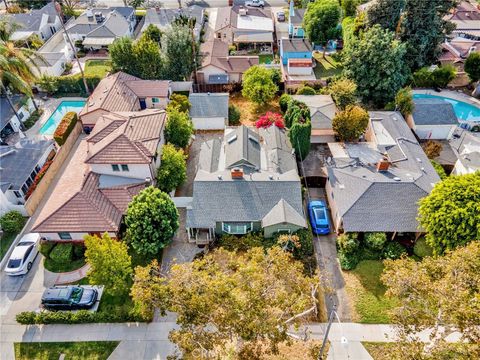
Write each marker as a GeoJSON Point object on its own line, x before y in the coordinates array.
{"type": "Point", "coordinates": [65, 106]}
{"type": "Point", "coordinates": [463, 110]}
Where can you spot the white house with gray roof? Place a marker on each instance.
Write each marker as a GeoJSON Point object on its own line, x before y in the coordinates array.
{"type": "Point", "coordinates": [375, 186]}
{"type": "Point", "coordinates": [246, 181]}
{"type": "Point", "coordinates": [209, 111]}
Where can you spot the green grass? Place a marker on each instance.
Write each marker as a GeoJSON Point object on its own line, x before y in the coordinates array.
{"type": "Point", "coordinates": [457, 351]}
{"type": "Point", "coordinates": [91, 350]}
{"type": "Point", "coordinates": [326, 67]}
{"type": "Point", "coordinates": [57, 267]}
{"type": "Point", "coordinates": [5, 241]}
{"type": "Point", "coordinates": [98, 67]}
{"type": "Point", "coordinates": [265, 59]}
{"type": "Point", "coordinates": [368, 293]}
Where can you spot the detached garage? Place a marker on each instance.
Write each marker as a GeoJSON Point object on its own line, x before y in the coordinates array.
{"type": "Point", "coordinates": [209, 111]}
{"type": "Point", "coordinates": [433, 119]}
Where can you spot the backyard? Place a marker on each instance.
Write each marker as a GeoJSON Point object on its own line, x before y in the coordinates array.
{"type": "Point", "coordinates": [249, 111]}
{"type": "Point", "coordinates": [91, 350]}
{"type": "Point", "coordinates": [328, 66]}
{"type": "Point", "coordinates": [370, 305]}
{"type": "Point", "coordinates": [98, 68]}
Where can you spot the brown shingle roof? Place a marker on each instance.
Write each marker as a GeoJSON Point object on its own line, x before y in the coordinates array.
{"type": "Point", "coordinates": [149, 88]}
{"type": "Point", "coordinates": [215, 53]}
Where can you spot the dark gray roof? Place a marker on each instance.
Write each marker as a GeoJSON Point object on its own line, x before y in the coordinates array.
{"type": "Point", "coordinates": [17, 162]}
{"type": "Point", "coordinates": [208, 105]}
{"type": "Point", "coordinates": [163, 17]}
{"type": "Point", "coordinates": [296, 45]}
{"type": "Point", "coordinates": [242, 148]}
{"type": "Point", "coordinates": [6, 111]}
{"type": "Point", "coordinates": [218, 79]}
{"type": "Point", "coordinates": [125, 11]}
{"type": "Point", "coordinates": [434, 112]}
{"type": "Point", "coordinates": [32, 20]}
{"type": "Point", "coordinates": [369, 200]}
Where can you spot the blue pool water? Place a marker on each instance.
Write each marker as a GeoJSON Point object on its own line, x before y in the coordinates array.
{"type": "Point", "coordinates": [463, 110]}
{"type": "Point", "coordinates": [65, 106]}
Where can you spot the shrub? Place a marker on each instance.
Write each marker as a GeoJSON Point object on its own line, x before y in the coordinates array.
{"type": "Point", "coordinates": [241, 243]}
{"type": "Point", "coordinates": [443, 75]}
{"type": "Point", "coordinates": [370, 254]}
{"type": "Point", "coordinates": [78, 251]}
{"type": "Point", "coordinates": [348, 243]}
{"type": "Point", "coordinates": [12, 221]}
{"type": "Point", "coordinates": [306, 244]}
{"type": "Point", "coordinates": [404, 101]}
{"type": "Point", "coordinates": [343, 92]}
{"type": "Point", "coordinates": [48, 83]}
{"type": "Point", "coordinates": [68, 67]}
{"type": "Point", "coordinates": [439, 169]}
{"type": "Point", "coordinates": [46, 247]}
{"type": "Point", "coordinates": [306, 90]}
{"type": "Point", "coordinates": [233, 115]}
{"type": "Point", "coordinates": [78, 317]}
{"type": "Point", "coordinates": [62, 253]}
{"type": "Point", "coordinates": [38, 178]}
{"type": "Point", "coordinates": [269, 119]}
{"type": "Point", "coordinates": [348, 261]}
{"type": "Point", "coordinates": [432, 149]}
{"type": "Point", "coordinates": [26, 317]}
{"type": "Point", "coordinates": [350, 123]}
{"type": "Point", "coordinates": [283, 102]}
{"type": "Point", "coordinates": [422, 78]}
{"type": "Point", "coordinates": [33, 118]}
{"type": "Point", "coordinates": [73, 84]}
{"type": "Point", "coordinates": [65, 127]}
{"type": "Point", "coordinates": [180, 102]}
{"type": "Point", "coordinates": [472, 66]}
{"type": "Point", "coordinates": [375, 240]}
{"type": "Point", "coordinates": [422, 249]}
{"type": "Point", "coordinates": [393, 250]}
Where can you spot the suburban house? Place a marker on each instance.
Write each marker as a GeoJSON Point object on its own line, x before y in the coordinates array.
{"type": "Point", "coordinates": [42, 22]}
{"type": "Point", "coordinates": [99, 27]}
{"type": "Point", "coordinates": [375, 186]}
{"type": "Point", "coordinates": [467, 149]}
{"type": "Point", "coordinates": [455, 52]}
{"type": "Point", "coordinates": [163, 18]}
{"type": "Point", "coordinates": [322, 111]}
{"type": "Point", "coordinates": [123, 92]}
{"type": "Point", "coordinates": [433, 119]}
{"type": "Point", "coordinates": [466, 18]}
{"type": "Point", "coordinates": [19, 164]}
{"type": "Point", "coordinates": [295, 21]}
{"type": "Point", "coordinates": [296, 58]}
{"type": "Point", "coordinates": [113, 164]}
{"type": "Point", "coordinates": [9, 121]}
{"type": "Point", "coordinates": [218, 67]}
{"type": "Point", "coordinates": [246, 181]}
{"type": "Point", "coordinates": [245, 27]}
{"type": "Point", "coordinates": [209, 111]}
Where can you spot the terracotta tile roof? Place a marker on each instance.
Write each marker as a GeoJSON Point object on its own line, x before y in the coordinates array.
{"type": "Point", "coordinates": [133, 140]}
{"type": "Point", "coordinates": [300, 62]}
{"type": "Point", "coordinates": [149, 88]}
{"type": "Point", "coordinates": [215, 53]}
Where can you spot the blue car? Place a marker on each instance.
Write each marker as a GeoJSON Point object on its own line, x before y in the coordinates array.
{"type": "Point", "coordinates": [319, 217]}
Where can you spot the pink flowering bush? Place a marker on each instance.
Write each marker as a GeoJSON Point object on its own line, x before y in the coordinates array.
{"type": "Point", "coordinates": [269, 119]}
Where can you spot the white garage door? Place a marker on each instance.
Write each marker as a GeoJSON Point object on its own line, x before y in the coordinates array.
{"type": "Point", "coordinates": [433, 132]}
{"type": "Point", "coordinates": [208, 123]}
{"type": "Point", "coordinates": [322, 139]}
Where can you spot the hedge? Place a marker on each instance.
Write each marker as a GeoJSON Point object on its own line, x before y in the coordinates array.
{"type": "Point", "coordinates": [12, 221]}
{"type": "Point", "coordinates": [73, 84]}
{"type": "Point", "coordinates": [46, 247]}
{"type": "Point", "coordinates": [62, 253]}
{"type": "Point", "coordinates": [65, 127]}
{"type": "Point", "coordinates": [77, 317]}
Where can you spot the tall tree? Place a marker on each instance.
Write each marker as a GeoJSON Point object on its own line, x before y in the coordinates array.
{"type": "Point", "coordinates": [258, 85]}
{"type": "Point", "coordinates": [237, 303]}
{"type": "Point", "coordinates": [386, 13]}
{"type": "Point", "coordinates": [172, 172]}
{"type": "Point", "coordinates": [153, 33]}
{"type": "Point", "coordinates": [179, 52]}
{"type": "Point", "coordinates": [151, 221]}
{"type": "Point", "coordinates": [122, 55]}
{"type": "Point", "coordinates": [149, 63]}
{"type": "Point", "coordinates": [350, 123]}
{"type": "Point", "coordinates": [349, 7]}
{"type": "Point", "coordinates": [440, 294]}
{"type": "Point", "coordinates": [32, 4]}
{"type": "Point", "coordinates": [376, 63]}
{"type": "Point", "coordinates": [321, 21]}
{"type": "Point", "coordinates": [343, 92]}
{"type": "Point", "coordinates": [472, 66]}
{"type": "Point", "coordinates": [404, 101]}
{"type": "Point", "coordinates": [424, 29]}
{"type": "Point", "coordinates": [110, 264]}
{"type": "Point", "coordinates": [449, 214]}
{"type": "Point", "coordinates": [179, 128]}
{"type": "Point", "coordinates": [299, 134]}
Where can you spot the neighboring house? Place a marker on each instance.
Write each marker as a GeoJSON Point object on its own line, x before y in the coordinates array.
{"type": "Point", "coordinates": [113, 164]}
{"type": "Point", "coordinates": [322, 111]}
{"type": "Point", "coordinates": [218, 67]}
{"type": "Point", "coordinates": [375, 186]}
{"type": "Point", "coordinates": [99, 27]}
{"type": "Point", "coordinates": [163, 18]}
{"type": "Point", "coordinates": [19, 164]}
{"type": "Point", "coordinates": [247, 26]}
{"type": "Point", "coordinates": [209, 111]}
{"type": "Point", "coordinates": [295, 22]}
{"type": "Point", "coordinates": [42, 22]}
{"type": "Point", "coordinates": [433, 119]}
{"type": "Point", "coordinates": [466, 18]}
{"type": "Point", "coordinates": [455, 52]}
{"type": "Point", "coordinates": [9, 121]}
{"type": "Point", "coordinates": [124, 92]}
{"type": "Point", "coordinates": [467, 149]}
{"type": "Point", "coordinates": [246, 182]}
{"type": "Point", "coordinates": [296, 58]}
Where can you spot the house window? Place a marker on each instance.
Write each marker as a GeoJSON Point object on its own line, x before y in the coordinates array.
{"type": "Point", "coordinates": [155, 100]}
{"type": "Point", "coordinates": [64, 236]}
{"type": "Point", "coordinates": [124, 167]}
{"type": "Point", "coordinates": [17, 194]}
{"type": "Point", "coordinates": [283, 231]}
{"type": "Point", "coordinates": [37, 168]}
{"type": "Point", "coordinates": [219, 35]}
{"type": "Point", "coordinates": [237, 228]}
{"type": "Point", "coordinates": [21, 115]}
{"type": "Point", "coordinates": [24, 188]}
{"type": "Point", "coordinates": [115, 167]}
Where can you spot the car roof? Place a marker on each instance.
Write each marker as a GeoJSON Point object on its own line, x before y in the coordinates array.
{"type": "Point", "coordinates": [58, 292]}
{"type": "Point", "coordinates": [316, 202]}
{"type": "Point", "coordinates": [19, 251]}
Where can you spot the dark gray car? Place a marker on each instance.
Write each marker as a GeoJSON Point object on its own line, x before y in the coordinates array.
{"type": "Point", "coordinates": [69, 298]}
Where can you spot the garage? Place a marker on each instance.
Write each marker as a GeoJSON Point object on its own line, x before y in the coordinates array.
{"type": "Point", "coordinates": [209, 111]}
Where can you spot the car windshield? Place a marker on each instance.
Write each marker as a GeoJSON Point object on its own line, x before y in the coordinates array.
{"type": "Point", "coordinates": [14, 263]}
{"type": "Point", "coordinates": [319, 213]}
{"type": "Point", "coordinates": [76, 294]}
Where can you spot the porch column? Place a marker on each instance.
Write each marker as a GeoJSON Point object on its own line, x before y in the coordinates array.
{"type": "Point", "coordinates": [188, 233]}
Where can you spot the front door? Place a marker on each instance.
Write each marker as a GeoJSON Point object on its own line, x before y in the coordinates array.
{"type": "Point", "coordinates": [143, 104]}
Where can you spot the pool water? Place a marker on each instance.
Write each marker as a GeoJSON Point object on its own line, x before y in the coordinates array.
{"type": "Point", "coordinates": [65, 106]}
{"type": "Point", "coordinates": [463, 110]}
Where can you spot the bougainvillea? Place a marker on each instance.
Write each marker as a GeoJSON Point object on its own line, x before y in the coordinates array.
{"type": "Point", "coordinates": [38, 178]}
{"type": "Point", "coordinates": [269, 119]}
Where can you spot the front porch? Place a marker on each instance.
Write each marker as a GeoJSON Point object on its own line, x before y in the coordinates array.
{"type": "Point", "coordinates": [200, 236]}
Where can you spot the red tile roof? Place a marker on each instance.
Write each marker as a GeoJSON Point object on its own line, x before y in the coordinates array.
{"type": "Point", "coordinates": [300, 62]}
{"type": "Point", "coordinates": [149, 88]}
{"type": "Point", "coordinates": [215, 52]}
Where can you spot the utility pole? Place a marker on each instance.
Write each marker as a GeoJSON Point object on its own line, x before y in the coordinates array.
{"type": "Point", "coordinates": [325, 338]}
{"type": "Point", "coordinates": [60, 15]}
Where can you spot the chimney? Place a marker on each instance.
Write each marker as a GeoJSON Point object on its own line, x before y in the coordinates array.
{"type": "Point", "coordinates": [383, 165]}
{"type": "Point", "coordinates": [237, 173]}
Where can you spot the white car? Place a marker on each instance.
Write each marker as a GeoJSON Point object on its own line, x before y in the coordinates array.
{"type": "Point", "coordinates": [255, 3]}
{"type": "Point", "coordinates": [23, 255]}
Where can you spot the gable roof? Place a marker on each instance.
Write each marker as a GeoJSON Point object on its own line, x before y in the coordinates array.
{"type": "Point", "coordinates": [162, 17]}
{"type": "Point", "coordinates": [32, 20]}
{"type": "Point", "coordinates": [208, 105]}
{"type": "Point", "coordinates": [283, 212]}
{"type": "Point", "coordinates": [297, 17]}
{"type": "Point", "coordinates": [322, 109]}
{"type": "Point", "coordinates": [149, 88]}
{"type": "Point", "coordinates": [215, 52]}
{"type": "Point", "coordinates": [296, 45]}
{"type": "Point", "coordinates": [242, 147]}
{"type": "Point", "coordinates": [6, 111]}
{"type": "Point", "coordinates": [434, 112]}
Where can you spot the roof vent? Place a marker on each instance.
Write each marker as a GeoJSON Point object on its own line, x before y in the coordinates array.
{"type": "Point", "coordinates": [232, 139]}
{"type": "Point", "coordinates": [397, 178]}
{"type": "Point", "coordinates": [341, 186]}
{"type": "Point", "coordinates": [243, 11]}
{"type": "Point", "coordinates": [270, 177]}
{"type": "Point", "coordinates": [253, 138]}
{"type": "Point", "coordinates": [219, 177]}
{"type": "Point", "coordinates": [92, 103]}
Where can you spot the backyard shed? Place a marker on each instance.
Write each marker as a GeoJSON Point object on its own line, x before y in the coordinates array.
{"type": "Point", "coordinates": [209, 111]}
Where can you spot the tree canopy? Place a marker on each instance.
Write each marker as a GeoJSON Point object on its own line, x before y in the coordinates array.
{"type": "Point", "coordinates": [404, 101]}
{"type": "Point", "coordinates": [321, 21]}
{"type": "Point", "coordinates": [376, 63]}
{"type": "Point", "coordinates": [179, 102]}
{"type": "Point", "coordinates": [343, 92]}
{"type": "Point", "coordinates": [179, 128]}
{"type": "Point", "coordinates": [153, 33]}
{"type": "Point", "coordinates": [385, 13]}
{"type": "Point", "coordinates": [472, 66]}
{"type": "Point", "coordinates": [151, 220]}
{"type": "Point", "coordinates": [229, 302]}
{"type": "Point", "coordinates": [173, 169]}
{"type": "Point", "coordinates": [178, 48]}
{"type": "Point", "coordinates": [449, 214]}
{"type": "Point", "coordinates": [350, 123]}
{"type": "Point", "coordinates": [258, 85]}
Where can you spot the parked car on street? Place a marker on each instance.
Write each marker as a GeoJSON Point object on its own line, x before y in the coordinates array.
{"type": "Point", "coordinates": [69, 297]}
{"type": "Point", "coordinates": [255, 3]}
{"type": "Point", "coordinates": [318, 213]}
{"type": "Point", "coordinates": [22, 258]}
{"type": "Point", "coordinates": [281, 16]}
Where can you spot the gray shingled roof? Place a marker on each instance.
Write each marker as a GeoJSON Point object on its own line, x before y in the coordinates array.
{"type": "Point", "coordinates": [283, 212]}
{"type": "Point", "coordinates": [210, 105]}
{"type": "Point", "coordinates": [296, 45]}
{"type": "Point", "coordinates": [6, 111]}
{"type": "Point", "coordinates": [242, 147]}
{"type": "Point", "coordinates": [434, 112]}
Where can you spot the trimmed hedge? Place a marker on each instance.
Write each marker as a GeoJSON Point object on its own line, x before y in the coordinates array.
{"type": "Point", "coordinates": [422, 249]}
{"type": "Point", "coordinates": [12, 221]}
{"type": "Point", "coordinates": [65, 127]}
{"type": "Point", "coordinates": [62, 253]}
{"type": "Point", "coordinates": [439, 77]}
{"type": "Point", "coordinates": [306, 90]}
{"type": "Point", "coordinates": [78, 317]}
{"type": "Point", "coordinates": [46, 248]}
{"type": "Point", "coordinates": [233, 115]}
{"type": "Point", "coordinates": [73, 84]}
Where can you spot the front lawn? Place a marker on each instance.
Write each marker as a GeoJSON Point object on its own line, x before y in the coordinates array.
{"type": "Point", "coordinates": [5, 241]}
{"type": "Point", "coordinates": [98, 68]}
{"type": "Point", "coordinates": [265, 59]}
{"type": "Point", "coordinates": [367, 293]}
{"type": "Point", "coordinates": [328, 66]}
{"type": "Point", "coordinates": [59, 267]}
{"type": "Point", "coordinates": [249, 111]}
{"type": "Point", "coordinates": [91, 350]}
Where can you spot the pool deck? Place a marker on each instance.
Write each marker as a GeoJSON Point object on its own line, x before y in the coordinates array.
{"type": "Point", "coordinates": [48, 106]}
{"type": "Point", "coordinates": [455, 95]}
